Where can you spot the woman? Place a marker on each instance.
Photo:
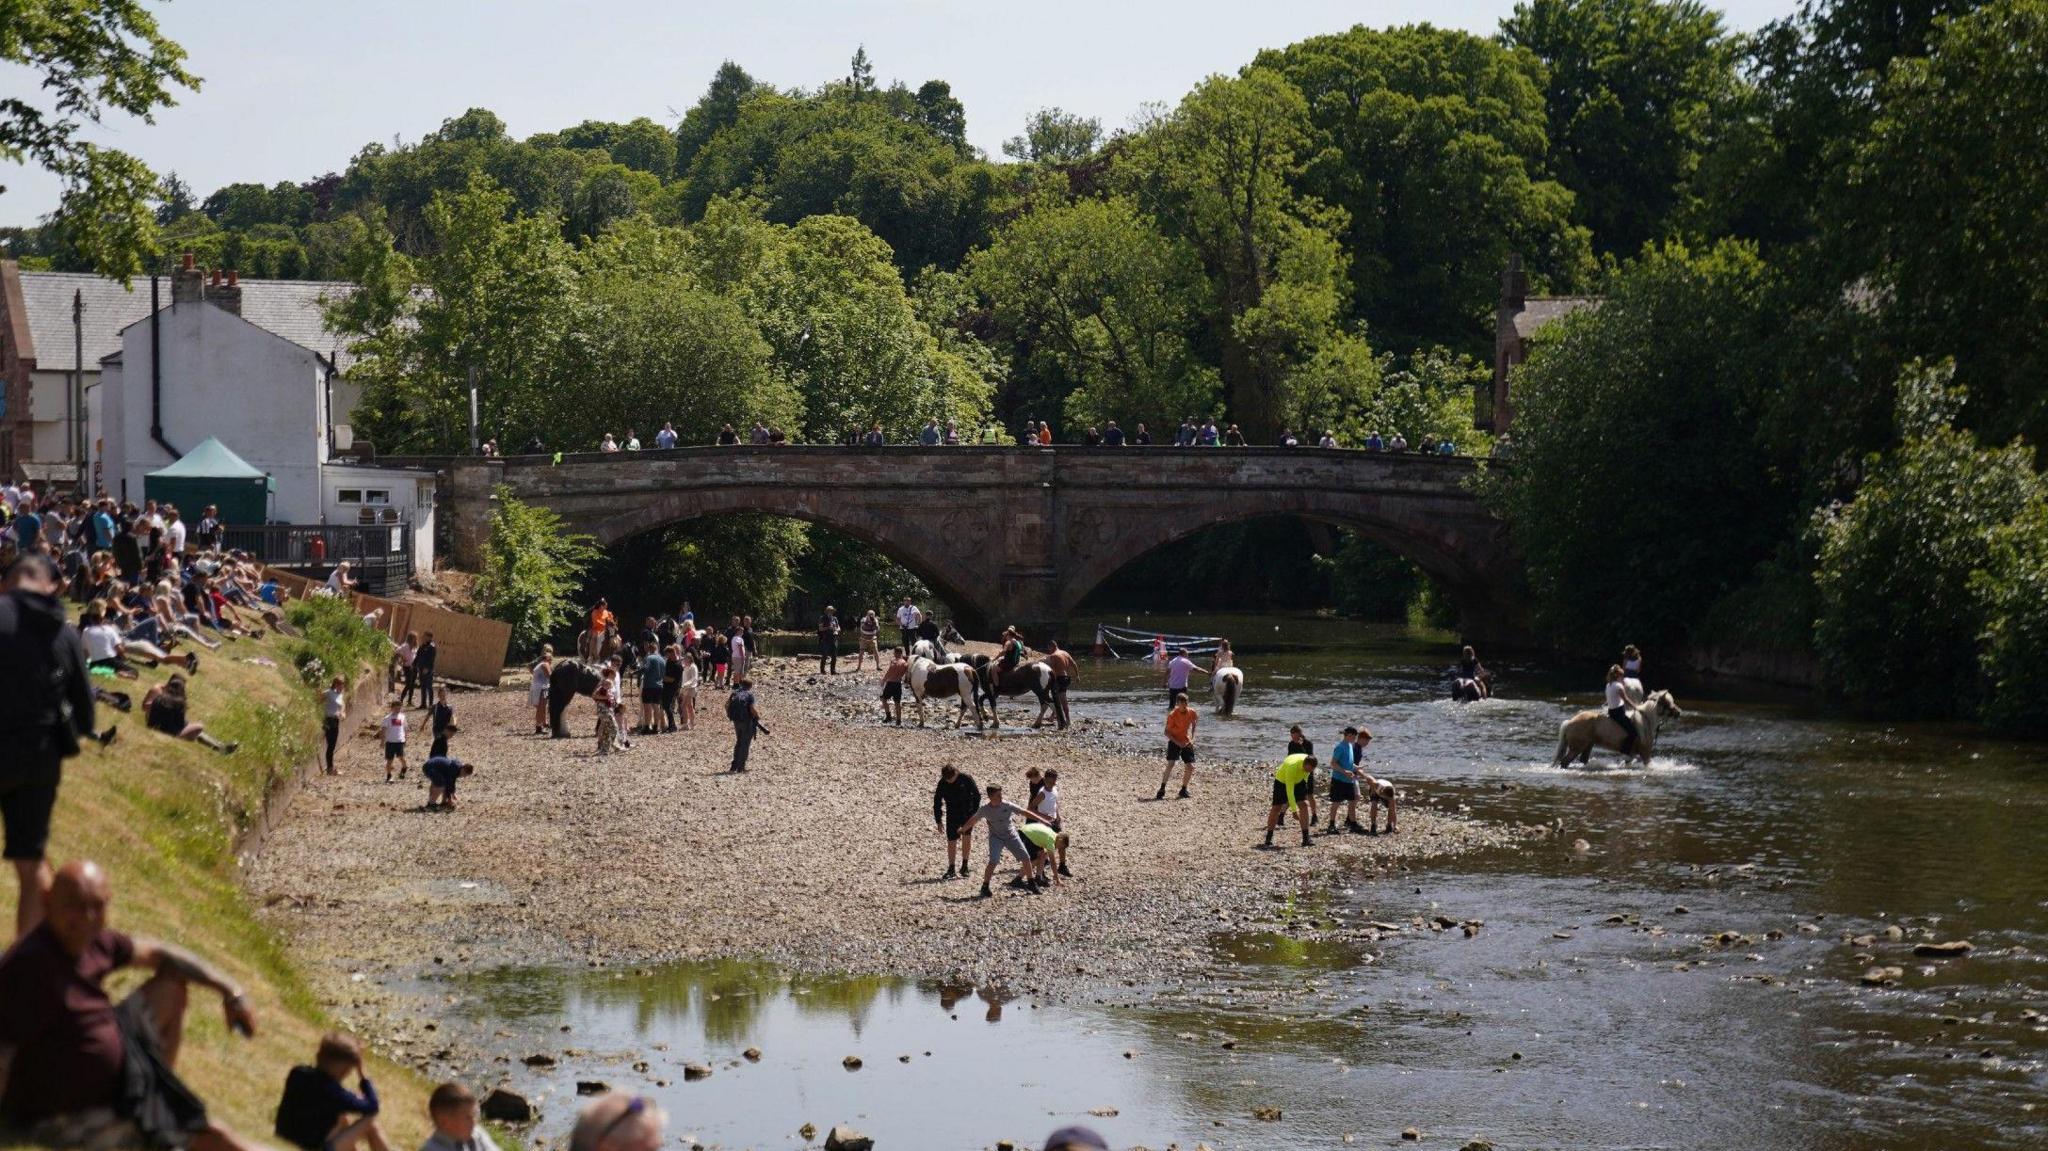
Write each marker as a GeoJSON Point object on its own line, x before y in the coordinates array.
{"type": "Point", "coordinates": [333, 706]}
{"type": "Point", "coordinates": [537, 692]}
{"type": "Point", "coordinates": [1141, 437]}
{"type": "Point", "coordinates": [1044, 434]}
{"type": "Point", "coordinates": [1227, 658]}
{"type": "Point", "coordinates": [1632, 663]}
{"type": "Point", "coordinates": [952, 439]}
{"type": "Point", "coordinates": [870, 631]}
{"type": "Point", "coordinates": [728, 438]}
{"type": "Point", "coordinates": [608, 444]}
{"type": "Point", "coordinates": [164, 707]}
{"type": "Point", "coordinates": [671, 685]}
{"type": "Point", "coordinates": [1470, 670]}
{"type": "Point", "coordinates": [1618, 710]}
{"type": "Point", "coordinates": [404, 655]}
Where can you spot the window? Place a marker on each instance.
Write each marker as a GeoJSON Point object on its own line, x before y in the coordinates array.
{"type": "Point", "coordinates": [376, 496]}
{"type": "Point", "coordinates": [349, 496]}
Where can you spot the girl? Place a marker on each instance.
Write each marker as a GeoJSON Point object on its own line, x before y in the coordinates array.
{"type": "Point", "coordinates": [394, 739]}
{"type": "Point", "coordinates": [1617, 710]}
{"type": "Point", "coordinates": [164, 708]}
{"type": "Point", "coordinates": [1632, 663]}
{"type": "Point", "coordinates": [334, 706]}
{"type": "Point", "coordinates": [537, 692]}
{"type": "Point", "coordinates": [671, 685]}
{"type": "Point", "coordinates": [686, 695]}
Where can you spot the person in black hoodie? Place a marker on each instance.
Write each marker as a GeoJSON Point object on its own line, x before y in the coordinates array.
{"type": "Point", "coordinates": [955, 800]}
{"type": "Point", "coordinates": [314, 1112]}
{"type": "Point", "coordinates": [45, 709]}
{"type": "Point", "coordinates": [423, 666]}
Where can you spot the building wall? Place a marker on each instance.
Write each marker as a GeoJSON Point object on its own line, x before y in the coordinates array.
{"type": "Point", "coordinates": [410, 491]}
{"type": "Point", "coordinates": [260, 394]}
{"type": "Point", "coordinates": [17, 361]}
{"type": "Point", "coordinates": [49, 433]}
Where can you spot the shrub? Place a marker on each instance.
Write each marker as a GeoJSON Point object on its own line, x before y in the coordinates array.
{"type": "Point", "coordinates": [333, 639]}
{"type": "Point", "coordinates": [532, 567]}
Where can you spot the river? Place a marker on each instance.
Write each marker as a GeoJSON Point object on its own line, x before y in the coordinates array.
{"type": "Point", "coordinates": [1693, 978]}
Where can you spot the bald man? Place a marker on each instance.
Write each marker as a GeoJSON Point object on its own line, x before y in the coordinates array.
{"type": "Point", "coordinates": [76, 1069]}
{"type": "Point", "coordinates": [619, 1122]}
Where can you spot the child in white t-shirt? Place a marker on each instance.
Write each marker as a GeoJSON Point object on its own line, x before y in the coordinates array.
{"type": "Point", "coordinates": [394, 739]}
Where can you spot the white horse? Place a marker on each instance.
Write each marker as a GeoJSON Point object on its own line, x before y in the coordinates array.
{"type": "Point", "coordinates": [943, 681]}
{"type": "Point", "coordinates": [1227, 684]}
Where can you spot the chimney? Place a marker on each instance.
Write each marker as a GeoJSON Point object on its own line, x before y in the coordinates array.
{"type": "Point", "coordinates": [187, 282]}
{"type": "Point", "coordinates": [227, 297]}
{"type": "Point", "coordinates": [1514, 285]}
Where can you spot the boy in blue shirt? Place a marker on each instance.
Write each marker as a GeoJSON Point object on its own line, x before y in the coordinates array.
{"type": "Point", "coordinates": [1346, 761]}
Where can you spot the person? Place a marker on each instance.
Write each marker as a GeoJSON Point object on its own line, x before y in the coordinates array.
{"type": "Point", "coordinates": [1377, 791]}
{"type": "Point", "coordinates": [618, 1122]}
{"type": "Point", "coordinates": [738, 644]}
{"type": "Point", "coordinates": [394, 740]}
{"type": "Point", "coordinates": [315, 1111]}
{"type": "Point", "coordinates": [333, 709]}
{"type": "Point", "coordinates": [746, 722]}
{"type": "Point", "coordinates": [1112, 436]}
{"type": "Point", "coordinates": [608, 444]}
{"type": "Point", "coordinates": [1075, 1139]}
{"type": "Point", "coordinates": [338, 581]}
{"type": "Point", "coordinates": [1141, 437]}
{"type": "Point", "coordinates": [105, 647]}
{"type": "Point", "coordinates": [1091, 437]}
{"type": "Point", "coordinates": [1291, 781]}
{"type": "Point", "coordinates": [103, 526]}
{"type": "Point", "coordinates": [441, 722]}
{"type": "Point", "coordinates": [892, 686]}
{"type": "Point", "coordinates": [1225, 657]}
{"type": "Point", "coordinates": [441, 772]}
{"type": "Point", "coordinates": [1620, 711]}
{"type": "Point", "coordinates": [423, 662]}
{"type": "Point", "coordinates": [1632, 666]}
{"type": "Point", "coordinates": [1300, 744]}
{"type": "Point", "coordinates": [929, 436]}
{"type": "Point", "coordinates": [1001, 818]}
{"type": "Point", "coordinates": [954, 800]}
{"type": "Point", "coordinates": [1207, 436]}
{"type": "Point", "coordinates": [1063, 668]}
{"type": "Point", "coordinates": [1373, 442]}
{"type": "Point", "coordinates": [163, 709]}
{"type": "Point", "coordinates": [1185, 438]}
{"type": "Point", "coordinates": [45, 711]}
{"type": "Point", "coordinates": [666, 437]}
{"type": "Point", "coordinates": [828, 640]}
{"type": "Point", "coordinates": [1399, 443]}
{"type": "Point", "coordinates": [1345, 764]}
{"type": "Point", "coordinates": [1044, 434]}
{"type": "Point", "coordinates": [632, 440]}
{"type": "Point", "coordinates": [874, 437]}
{"type": "Point", "coordinates": [727, 437]}
{"type": "Point", "coordinates": [1046, 802]}
{"type": "Point", "coordinates": [1470, 669]}
{"type": "Point", "coordinates": [869, 630]}
{"type": "Point", "coordinates": [1044, 842]}
{"type": "Point", "coordinates": [605, 696]}
{"type": "Point", "coordinates": [907, 619]}
{"type": "Point", "coordinates": [1180, 745]}
{"type": "Point", "coordinates": [671, 685]}
{"type": "Point", "coordinates": [653, 680]}
{"type": "Point", "coordinates": [1012, 653]}
{"type": "Point", "coordinates": [406, 653]}
{"type": "Point", "coordinates": [452, 1109]}
{"type": "Point", "coordinates": [720, 650]}
{"type": "Point", "coordinates": [77, 1070]}
{"type": "Point", "coordinates": [1178, 671]}
{"type": "Point", "coordinates": [602, 621]}
{"type": "Point", "coordinates": [1287, 438]}
{"type": "Point", "coordinates": [537, 690]}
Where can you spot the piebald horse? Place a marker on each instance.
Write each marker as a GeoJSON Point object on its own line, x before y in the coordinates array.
{"type": "Point", "coordinates": [943, 681]}
{"type": "Point", "coordinates": [991, 685]}
{"type": "Point", "coordinates": [1227, 684]}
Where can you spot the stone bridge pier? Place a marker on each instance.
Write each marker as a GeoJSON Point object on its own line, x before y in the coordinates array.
{"type": "Point", "coordinates": [1020, 535]}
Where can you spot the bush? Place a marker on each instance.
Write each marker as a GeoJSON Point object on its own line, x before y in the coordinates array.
{"type": "Point", "coordinates": [334, 640]}
{"type": "Point", "coordinates": [532, 567]}
{"type": "Point", "coordinates": [2013, 589]}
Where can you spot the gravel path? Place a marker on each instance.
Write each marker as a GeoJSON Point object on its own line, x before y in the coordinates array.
{"type": "Point", "coordinates": [821, 857]}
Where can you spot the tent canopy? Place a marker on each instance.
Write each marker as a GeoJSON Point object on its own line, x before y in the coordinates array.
{"type": "Point", "coordinates": [211, 460]}
{"type": "Point", "coordinates": [213, 474]}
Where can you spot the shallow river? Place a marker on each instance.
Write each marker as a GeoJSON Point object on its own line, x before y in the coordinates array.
{"type": "Point", "coordinates": [1551, 1026]}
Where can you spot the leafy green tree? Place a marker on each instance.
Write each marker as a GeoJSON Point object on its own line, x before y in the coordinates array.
{"type": "Point", "coordinates": [1634, 89]}
{"type": "Point", "coordinates": [1055, 136]}
{"type": "Point", "coordinates": [1433, 144]}
{"type": "Point", "coordinates": [532, 568]}
{"type": "Point", "coordinates": [724, 565]}
{"type": "Point", "coordinates": [717, 110]}
{"type": "Point", "coordinates": [92, 57]}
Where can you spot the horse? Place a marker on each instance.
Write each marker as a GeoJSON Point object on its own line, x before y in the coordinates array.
{"type": "Point", "coordinates": [1465, 689]}
{"type": "Point", "coordinates": [568, 680]}
{"type": "Point", "coordinates": [1577, 736]}
{"type": "Point", "coordinates": [943, 681]}
{"type": "Point", "coordinates": [928, 649]}
{"type": "Point", "coordinates": [991, 685]}
{"type": "Point", "coordinates": [599, 647]}
{"type": "Point", "coordinates": [1226, 685]}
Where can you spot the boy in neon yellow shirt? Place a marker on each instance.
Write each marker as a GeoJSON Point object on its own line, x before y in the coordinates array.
{"type": "Point", "coordinates": [1291, 781]}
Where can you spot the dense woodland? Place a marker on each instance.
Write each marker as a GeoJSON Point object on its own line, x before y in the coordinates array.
{"type": "Point", "coordinates": [1801, 423]}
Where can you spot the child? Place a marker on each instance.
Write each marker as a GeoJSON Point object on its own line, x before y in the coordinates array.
{"type": "Point", "coordinates": [333, 708]}
{"type": "Point", "coordinates": [892, 687]}
{"type": "Point", "coordinates": [441, 772]}
{"type": "Point", "coordinates": [314, 1112]}
{"type": "Point", "coordinates": [1045, 842]}
{"type": "Point", "coordinates": [394, 739]}
{"type": "Point", "coordinates": [1180, 744]}
{"type": "Point", "coordinates": [1291, 782]}
{"type": "Point", "coordinates": [1347, 765]}
{"type": "Point", "coordinates": [444, 723]}
{"type": "Point", "coordinates": [453, 1109]}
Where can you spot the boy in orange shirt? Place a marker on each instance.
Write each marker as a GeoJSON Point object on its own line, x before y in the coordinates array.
{"type": "Point", "coordinates": [1180, 744]}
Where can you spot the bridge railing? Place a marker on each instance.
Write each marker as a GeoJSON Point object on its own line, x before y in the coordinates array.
{"type": "Point", "coordinates": [794, 450]}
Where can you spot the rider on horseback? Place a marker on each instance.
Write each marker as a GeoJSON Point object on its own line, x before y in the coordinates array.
{"type": "Point", "coordinates": [1619, 711]}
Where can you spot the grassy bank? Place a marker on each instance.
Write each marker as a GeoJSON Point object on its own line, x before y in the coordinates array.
{"type": "Point", "coordinates": [163, 816]}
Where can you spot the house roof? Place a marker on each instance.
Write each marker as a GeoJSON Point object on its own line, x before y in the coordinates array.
{"type": "Point", "coordinates": [288, 308]}
{"type": "Point", "coordinates": [1539, 311]}
{"type": "Point", "coordinates": [211, 460]}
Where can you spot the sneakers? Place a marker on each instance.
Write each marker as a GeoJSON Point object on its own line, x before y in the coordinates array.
{"type": "Point", "coordinates": [106, 737]}
{"type": "Point", "coordinates": [1162, 793]}
{"type": "Point", "coordinates": [1183, 794]}
{"type": "Point", "coordinates": [1354, 827]}
{"type": "Point", "coordinates": [985, 893]}
{"type": "Point", "coordinates": [1064, 872]}
{"type": "Point", "coordinates": [949, 872]}
{"type": "Point", "coordinates": [1306, 841]}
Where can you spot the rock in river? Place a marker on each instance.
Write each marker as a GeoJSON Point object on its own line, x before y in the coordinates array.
{"type": "Point", "coordinates": [592, 1087]}
{"type": "Point", "coordinates": [695, 1071]}
{"type": "Point", "coordinates": [844, 1138]}
{"type": "Point", "coordinates": [504, 1106]}
{"type": "Point", "coordinates": [1953, 949]}
{"type": "Point", "coordinates": [851, 1063]}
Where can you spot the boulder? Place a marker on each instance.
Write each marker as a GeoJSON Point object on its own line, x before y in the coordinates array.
{"type": "Point", "coordinates": [1411, 1134]}
{"type": "Point", "coordinates": [502, 1106]}
{"type": "Point", "coordinates": [1267, 1114]}
{"type": "Point", "coordinates": [1953, 949]}
{"type": "Point", "coordinates": [592, 1087]}
{"type": "Point", "coordinates": [844, 1138]}
{"type": "Point", "coordinates": [851, 1063]}
{"type": "Point", "coordinates": [753, 1054]}
{"type": "Point", "coordinates": [695, 1071]}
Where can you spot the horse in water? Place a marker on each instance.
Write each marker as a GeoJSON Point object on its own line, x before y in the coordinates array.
{"type": "Point", "coordinates": [1579, 735]}
{"type": "Point", "coordinates": [943, 681]}
{"type": "Point", "coordinates": [1226, 685]}
{"type": "Point", "coordinates": [991, 683]}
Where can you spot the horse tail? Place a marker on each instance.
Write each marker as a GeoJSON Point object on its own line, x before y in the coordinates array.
{"type": "Point", "coordinates": [1564, 745]}
{"type": "Point", "coordinates": [1230, 685]}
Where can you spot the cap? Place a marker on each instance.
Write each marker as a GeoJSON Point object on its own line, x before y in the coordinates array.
{"type": "Point", "coordinates": [1075, 1139]}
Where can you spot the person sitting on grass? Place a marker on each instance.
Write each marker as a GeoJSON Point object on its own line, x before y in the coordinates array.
{"type": "Point", "coordinates": [441, 772]}
{"type": "Point", "coordinates": [452, 1107]}
{"type": "Point", "coordinates": [315, 1111]}
{"type": "Point", "coordinates": [77, 1070]}
{"type": "Point", "coordinates": [163, 709]}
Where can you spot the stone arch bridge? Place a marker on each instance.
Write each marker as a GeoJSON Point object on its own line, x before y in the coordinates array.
{"type": "Point", "coordinates": [1018, 534]}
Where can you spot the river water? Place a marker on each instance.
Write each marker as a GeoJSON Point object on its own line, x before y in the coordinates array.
{"type": "Point", "coordinates": [1692, 979]}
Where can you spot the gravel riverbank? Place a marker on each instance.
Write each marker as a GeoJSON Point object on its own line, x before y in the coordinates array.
{"type": "Point", "coordinates": [822, 857]}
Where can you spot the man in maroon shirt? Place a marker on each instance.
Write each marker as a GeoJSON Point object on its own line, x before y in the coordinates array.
{"type": "Point", "coordinates": [75, 1068]}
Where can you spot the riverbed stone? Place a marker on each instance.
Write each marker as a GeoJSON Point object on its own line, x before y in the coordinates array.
{"type": "Point", "coordinates": [844, 1138]}
{"type": "Point", "coordinates": [1952, 949]}
{"type": "Point", "coordinates": [506, 1106]}
{"type": "Point", "coordinates": [592, 1087]}
{"type": "Point", "coordinates": [695, 1071]}
{"type": "Point", "coordinates": [851, 1063]}
{"type": "Point", "coordinates": [753, 1054]}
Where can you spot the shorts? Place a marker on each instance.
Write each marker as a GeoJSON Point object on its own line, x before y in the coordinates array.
{"type": "Point", "coordinates": [650, 694]}
{"type": "Point", "coordinates": [1171, 692]}
{"type": "Point", "coordinates": [536, 694]}
{"type": "Point", "coordinates": [1280, 794]}
{"type": "Point", "coordinates": [1012, 843]}
{"type": "Point", "coordinates": [953, 825]}
{"type": "Point", "coordinates": [27, 796]}
{"type": "Point", "coordinates": [1184, 753]}
{"type": "Point", "coordinates": [1342, 790]}
{"type": "Point", "coordinates": [393, 750]}
{"type": "Point", "coordinates": [893, 690]}
{"type": "Point", "coordinates": [870, 645]}
{"type": "Point", "coordinates": [443, 778]}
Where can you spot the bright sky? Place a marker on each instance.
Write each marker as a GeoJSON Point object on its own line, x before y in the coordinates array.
{"type": "Point", "coordinates": [294, 89]}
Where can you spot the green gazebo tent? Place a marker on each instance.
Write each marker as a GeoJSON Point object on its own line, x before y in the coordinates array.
{"type": "Point", "coordinates": [212, 474]}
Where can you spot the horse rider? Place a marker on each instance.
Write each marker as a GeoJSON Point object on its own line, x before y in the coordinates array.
{"type": "Point", "coordinates": [1618, 710]}
{"type": "Point", "coordinates": [1013, 651]}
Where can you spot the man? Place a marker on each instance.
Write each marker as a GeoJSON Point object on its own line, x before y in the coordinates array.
{"type": "Point", "coordinates": [423, 662]}
{"type": "Point", "coordinates": [619, 1122]}
{"type": "Point", "coordinates": [1001, 818]}
{"type": "Point", "coordinates": [1290, 789]}
{"type": "Point", "coordinates": [1179, 670]}
{"type": "Point", "coordinates": [828, 640]}
{"type": "Point", "coordinates": [929, 437]}
{"type": "Point", "coordinates": [28, 529]}
{"type": "Point", "coordinates": [892, 687]}
{"type": "Point", "coordinates": [869, 633]}
{"type": "Point", "coordinates": [907, 619]}
{"type": "Point", "coordinates": [1345, 760]}
{"type": "Point", "coordinates": [1180, 745]}
{"type": "Point", "coordinates": [1063, 669]}
{"type": "Point", "coordinates": [44, 711]}
{"type": "Point", "coordinates": [208, 535]}
{"type": "Point", "coordinates": [175, 531]}
{"type": "Point", "coordinates": [953, 804]}
{"type": "Point", "coordinates": [666, 437]}
{"type": "Point", "coordinates": [746, 721]}
{"type": "Point", "coordinates": [103, 526]}
{"type": "Point", "coordinates": [75, 1069]}
{"type": "Point", "coordinates": [1112, 436]}
{"type": "Point", "coordinates": [653, 677]}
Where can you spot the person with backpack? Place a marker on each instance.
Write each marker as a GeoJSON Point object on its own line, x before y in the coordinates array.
{"type": "Point", "coordinates": [746, 721]}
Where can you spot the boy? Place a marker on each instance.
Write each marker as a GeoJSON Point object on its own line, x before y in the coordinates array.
{"type": "Point", "coordinates": [441, 772]}
{"type": "Point", "coordinates": [1180, 744]}
{"type": "Point", "coordinates": [453, 1109]}
{"type": "Point", "coordinates": [1345, 761]}
{"type": "Point", "coordinates": [1001, 818]}
{"type": "Point", "coordinates": [1377, 791]}
{"type": "Point", "coordinates": [394, 738]}
{"type": "Point", "coordinates": [314, 1112]}
{"type": "Point", "coordinates": [953, 803]}
{"type": "Point", "coordinates": [1290, 789]}
{"type": "Point", "coordinates": [443, 723]}
{"type": "Point", "coordinates": [892, 687]}
{"type": "Point", "coordinates": [1046, 841]}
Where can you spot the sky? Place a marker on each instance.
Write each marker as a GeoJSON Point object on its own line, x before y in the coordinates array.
{"type": "Point", "coordinates": [293, 89]}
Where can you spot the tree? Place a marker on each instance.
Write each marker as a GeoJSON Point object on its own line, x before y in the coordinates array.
{"type": "Point", "coordinates": [1055, 136]}
{"type": "Point", "coordinates": [1433, 143]}
{"type": "Point", "coordinates": [716, 110]}
{"type": "Point", "coordinates": [94, 56]}
{"type": "Point", "coordinates": [532, 567]}
{"type": "Point", "coordinates": [861, 75]}
{"type": "Point", "coordinates": [1633, 90]}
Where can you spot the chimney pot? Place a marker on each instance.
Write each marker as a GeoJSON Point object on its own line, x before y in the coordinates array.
{"type": "Point", "coordinates": [188, 261]}
{"type": "Point", "coordinates": [216, 277]}
{"type": "Point", "coordinates": [234, 278]}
